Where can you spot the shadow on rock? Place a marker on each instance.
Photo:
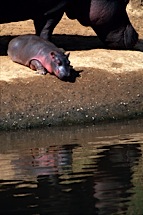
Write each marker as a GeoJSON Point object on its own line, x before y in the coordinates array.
{"type": "Point", "coordinates": [81, 43]}
{"type": "Point", "coordinates": [139, 46]}
{"type": "Point", "coordinates": [72, 78]}
{"type": "Point", "coordinates": [4, 41]}
{"type": "Point", "coordinates": [69, 43]}
{"type": "Point", "coordinates": [77, 42]}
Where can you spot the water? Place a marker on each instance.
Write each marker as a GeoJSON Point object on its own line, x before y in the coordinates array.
{"type": "Point", "coordinates": [73, 171]}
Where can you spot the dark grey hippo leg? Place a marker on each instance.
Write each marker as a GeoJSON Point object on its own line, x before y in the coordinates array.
{"type": "Point", "coordinates": [49, 25]}
{"type": "Point", "coordinates": [36, 65]}
{"type": "Point", "coordinates": [110, 21]}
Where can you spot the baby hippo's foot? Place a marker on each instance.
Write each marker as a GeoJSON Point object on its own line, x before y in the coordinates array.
{"type": "Point", "coordinates": [41, 72]}
{"type": "Point", "coordinates": [36, 65]}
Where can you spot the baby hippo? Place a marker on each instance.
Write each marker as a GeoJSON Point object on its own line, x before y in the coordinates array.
{"type": "Point", "coordinates": [40, 55]}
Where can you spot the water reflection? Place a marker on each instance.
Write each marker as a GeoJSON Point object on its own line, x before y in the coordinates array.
{"type": "Point", "coordinates": [98, 177]}
{"type": "Point", "coordinates": [44, 161]}
{"type": "Point", "coordinates": [113, 178]}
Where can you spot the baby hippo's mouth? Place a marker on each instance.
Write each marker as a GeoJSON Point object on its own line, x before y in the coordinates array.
{"type": "Point", "coordinates": [62, 72]}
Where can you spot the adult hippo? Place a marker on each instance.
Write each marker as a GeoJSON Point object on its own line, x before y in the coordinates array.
{"type": "Point", "coordinates": [108, 18]}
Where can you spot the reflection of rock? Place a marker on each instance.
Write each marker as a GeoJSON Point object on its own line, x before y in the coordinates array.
{"type": "Point", "coordinates": [6, 168]}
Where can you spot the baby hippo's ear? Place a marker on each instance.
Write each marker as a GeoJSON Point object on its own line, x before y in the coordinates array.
{"type": "Point", "coordinates": [67, 55]}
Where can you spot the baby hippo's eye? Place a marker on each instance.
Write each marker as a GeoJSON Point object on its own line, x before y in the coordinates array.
{"type": "Point", "coordinates": [59, 63]}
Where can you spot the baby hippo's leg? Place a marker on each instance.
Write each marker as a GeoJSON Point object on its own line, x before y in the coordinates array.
{"type": "Point", "coordinates": [36, 65]}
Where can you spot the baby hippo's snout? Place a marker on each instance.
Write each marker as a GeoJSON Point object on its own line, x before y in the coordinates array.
{"type": "Point", "coordinates": [63, 71]}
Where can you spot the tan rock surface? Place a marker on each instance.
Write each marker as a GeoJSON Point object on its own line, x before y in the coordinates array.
{"type": "Point", "coordinates": [110, 85]}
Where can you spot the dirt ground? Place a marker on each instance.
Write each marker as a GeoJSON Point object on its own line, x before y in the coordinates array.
{"type": "Point", "coordinates": [107, 84]}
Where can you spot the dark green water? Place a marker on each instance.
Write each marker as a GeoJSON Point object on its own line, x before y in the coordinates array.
{"type": "Point", "coordinates": [73, 171]}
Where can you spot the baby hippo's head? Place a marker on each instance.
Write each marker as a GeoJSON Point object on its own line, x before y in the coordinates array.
{"type": "Point", "coordinates": [60, 64]}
